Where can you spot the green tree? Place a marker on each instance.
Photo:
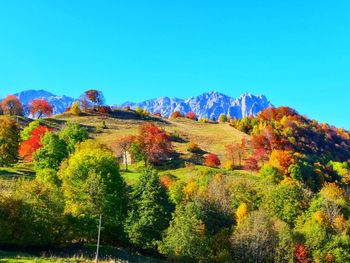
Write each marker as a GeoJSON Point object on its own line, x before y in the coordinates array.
{"type": "Point", "coordinates": [150, 211]}
{"type": "Point", "coordinates": [186, 239]}
{"type": "Point", "coordinates": [48, 176]}
{"type": "Point", "coordinates": [9, 141]}
{"type": "Point", "coordinates": [72, 134]}
{"type": "Point", "coordinates": [222, 118]}
{"type": "Point", "coordinates": [25, 133]}
{"type": "Point", "coordinates": [52, 152]}
{"type": "Point", "coordinates": [285, 201]}
{"type": "Point", "coordinates": [271, 174]}
{"type": "Point", "coordinates": [92, 185]}
{"type": "Point", "coordinates": [32, 215]}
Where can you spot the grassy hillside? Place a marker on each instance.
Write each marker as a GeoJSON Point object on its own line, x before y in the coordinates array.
{"type": "Point", "coordinates": [211, 137]}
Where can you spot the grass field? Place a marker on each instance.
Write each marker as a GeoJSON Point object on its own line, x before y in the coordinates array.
{"type": "Point", "coordinates": [85, 254]}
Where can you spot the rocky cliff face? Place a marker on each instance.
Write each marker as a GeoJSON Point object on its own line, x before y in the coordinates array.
{"type": "Point", "coordinates": [210, 104]}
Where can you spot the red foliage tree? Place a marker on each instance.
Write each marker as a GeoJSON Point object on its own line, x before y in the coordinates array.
{"type": "Point", "coordinates": [104, 109]}
{"type": "Point", "coordinates": [12, 106]}
{"type": "Point", "coordinates": [157, 114]}
{"type": "Point", "coordinates": [212, 160]}
{"type": "Point", "coordinates": [40, 107]}
{"type": "Point", "coordinates": [300, 254]}
{"type": "Point", "coordinates": [95, 96]}
{"type": "Point", "coordinates": [28, 147]}
{"type": "Point", "coordinates": [176, 114]}
{"type": "Point", "coordinates": [251, 164]}
{"type": "Point", "coordinates": [261, 155]}
{"type": "Point", "coordinates": [154, 143]}
{"type": "Point", "coordinates": [191, 115]}
{"type": "Point", "coordinates": [127, 108]}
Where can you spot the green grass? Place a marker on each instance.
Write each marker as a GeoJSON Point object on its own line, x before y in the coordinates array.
{"type": "Point", "coordinates": [86, 254]}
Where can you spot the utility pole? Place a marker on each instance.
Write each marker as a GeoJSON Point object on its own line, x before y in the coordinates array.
{"type": "Point", "coordinates": [98, 239]}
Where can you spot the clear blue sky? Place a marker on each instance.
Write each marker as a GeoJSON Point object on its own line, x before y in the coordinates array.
{"type": "Point", "coordinates": [296, 52]}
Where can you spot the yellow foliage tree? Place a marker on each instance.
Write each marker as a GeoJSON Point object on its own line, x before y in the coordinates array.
{"type": "Point", "coordinates": [190, 189]}
{"type": "Point", "coordinates": [340, 224]}
{"type": "Point", "coordinates": [75, 109]}
{"type": "Point", "coordinates": [241, 213]}
{"type": "Point", "coordinates": [320, 217]}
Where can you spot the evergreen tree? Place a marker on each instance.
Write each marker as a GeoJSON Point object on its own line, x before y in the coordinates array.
{"type": "Point", "coordinates": [150, 211]}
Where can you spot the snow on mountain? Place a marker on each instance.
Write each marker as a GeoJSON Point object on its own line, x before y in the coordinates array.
{"type": "Point", "coordinates": [59, 103]}
{"type": "Point", "coordinates": [210, 104]}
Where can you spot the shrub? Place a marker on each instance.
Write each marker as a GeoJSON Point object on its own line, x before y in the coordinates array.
{"type": "Point", "coordinates": [212, 160]}
{"type": "Point", "coordinates": [191, 115]}
{"type": "Point", "coordinates": [229, 165]}
{"type": "Point", "coordinates": [193, 148]}
{"type": "Point", "coordinates": [176, 114]}
{"type": "Point", "coordinates": [104, 109]}
{"type": "Point", "coordinates": [222, 118]}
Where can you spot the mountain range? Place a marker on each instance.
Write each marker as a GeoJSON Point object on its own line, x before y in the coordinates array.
{"type": "Point", "coordinates": [59, 103]}
{"type": "Point", "coordinates": [209, 104]}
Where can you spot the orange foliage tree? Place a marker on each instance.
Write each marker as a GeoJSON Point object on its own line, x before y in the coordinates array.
{"type": "Point", "coordinates": [40, 107]}
{"type": "Point", "coordinates": [235, 151]}
{"type": "Point", "coordinates": [12, 106]}
{"type": "Point", "coordinates": [28, 147]}
{"type": "Point", "coordinates": [282, 160]}
{"type": "Point", "coordinates": [176, 114]}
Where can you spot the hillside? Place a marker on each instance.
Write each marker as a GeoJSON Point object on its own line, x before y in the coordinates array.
{"type": "Point", "coordinates": [210, 137]}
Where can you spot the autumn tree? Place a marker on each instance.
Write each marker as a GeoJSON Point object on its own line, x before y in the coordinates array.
{"type": "Point", "coordinates": [28, 147]}
{"type": "Point", "coordinates": [9, 139]}
{"type": "Point", "coordinates": [124, 145]}
{"type": "Point", "coordinates": [191, 115]}
{"type": "Point", "coordinates": [92, 185]}
{"type": "Point", "coordinates": [153, 143]}
{"type": "Point", "coordinates": [75, 109]}
{"type": "Point", "coordinates": [40, 107]}
{"type": "Point", "coordinates": [236, 151]}
{"type": "Point", "coordinates": [95, 97]}
{"type": "Point", "coordinates": [212, 160]}
{"type": "Point", "coordinates": [12, 106]}
{"type": "Point", "coordinates": [176, 114]}
{"type": "Point", "coordinates": [251, 164]}
{"type": "Point", "coordinates": [150, 211]}
{"type": "Point", "coordinates": [282, 160]}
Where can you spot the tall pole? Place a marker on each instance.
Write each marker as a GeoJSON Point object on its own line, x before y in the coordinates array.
{"type": "Point", "coordinates": [98, 239]}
